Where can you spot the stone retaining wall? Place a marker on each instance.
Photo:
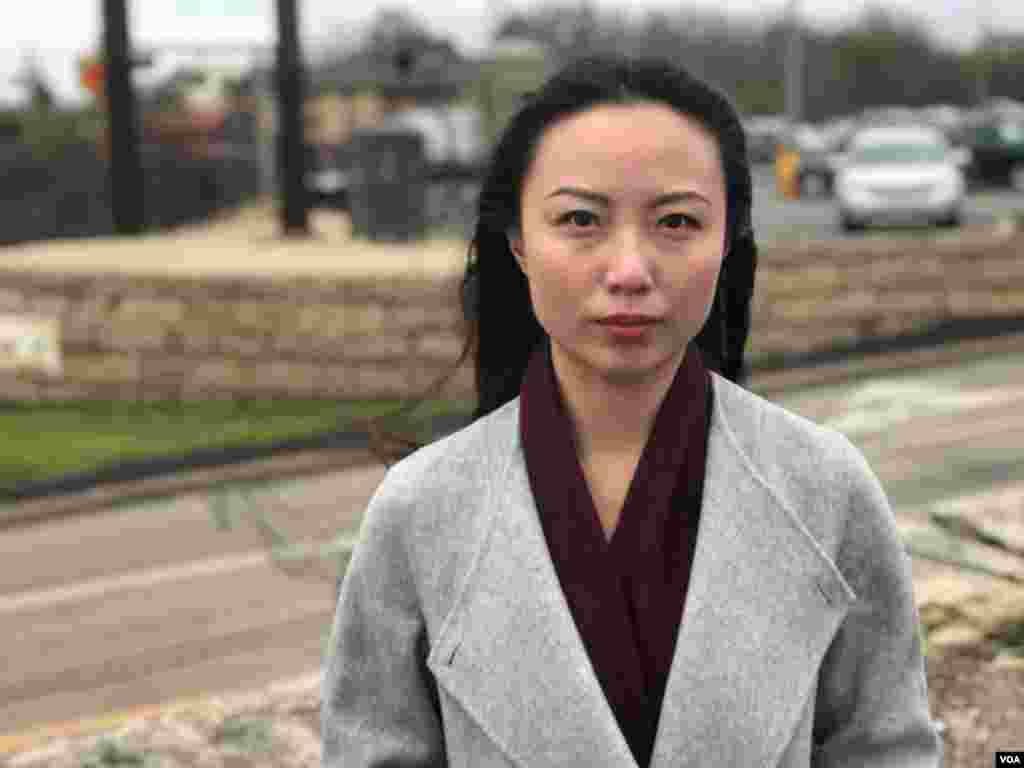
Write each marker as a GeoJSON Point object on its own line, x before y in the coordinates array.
{"type": "Point", "coordinates": [156, 337]}
{"type": "Point", "coordinates": [819, 294]}
{"type": "Point", "coordinates": [146, 337]}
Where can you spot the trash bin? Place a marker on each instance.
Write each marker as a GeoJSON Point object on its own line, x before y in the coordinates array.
{"type": "Point", "coordinates": [388, 186]}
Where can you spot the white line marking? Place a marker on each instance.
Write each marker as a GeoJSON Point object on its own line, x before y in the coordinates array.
{"type": "Point", "coordinates": [151, 577]}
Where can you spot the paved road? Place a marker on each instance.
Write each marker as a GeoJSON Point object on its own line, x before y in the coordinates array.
{"type": "Point", "coordinates": [151, 602]}
{"type": "Point", "coordinates": [146, 603]}
{"type": "Point", "coordinates": [931, 434]}
{"type": "Point", "coordinates": [776, 218]}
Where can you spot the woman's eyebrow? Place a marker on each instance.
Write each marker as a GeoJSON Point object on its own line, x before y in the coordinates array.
{"type": "Point", "coordinates": [604, 200]}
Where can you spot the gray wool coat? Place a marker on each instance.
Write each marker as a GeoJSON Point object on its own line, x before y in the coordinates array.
{"type": "Point", "coordinates": [453, 644]}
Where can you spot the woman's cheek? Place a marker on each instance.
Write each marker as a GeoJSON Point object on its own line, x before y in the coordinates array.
{"type": "Point", "coordinates": [705, 277]}
{"type": "Point", "coordinates": [553, 293]}
{"type": "Point", "coordinates": [561, 282]}
{"type": "Point", "coordinates": [561, 299]}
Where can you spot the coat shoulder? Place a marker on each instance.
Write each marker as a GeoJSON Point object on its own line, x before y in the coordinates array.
{"type": "Point", "coordinates": [815, 471]}
{"type": "Point", "coordinates": [770, 434]}
{"type": "Point", "coordinates": [467, 456]}
{"type": "Point", "coordinates": [435, 505]}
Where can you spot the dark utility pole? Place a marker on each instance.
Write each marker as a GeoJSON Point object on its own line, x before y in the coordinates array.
{"type": "Point", "coordinates": [984, 50]}
{"type": "Point", "coordinates": [291, 138]}
{"type": "Point", "coordinates": [126, 180]}
{"type": "Point", "coordinates": [794, 65]}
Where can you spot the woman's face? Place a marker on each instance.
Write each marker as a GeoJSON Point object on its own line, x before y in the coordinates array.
{"type": "Point", "coordinates": [623, 210]}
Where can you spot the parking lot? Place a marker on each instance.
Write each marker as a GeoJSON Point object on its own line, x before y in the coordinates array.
{"type": "Point", "coordinates": [778, 218]}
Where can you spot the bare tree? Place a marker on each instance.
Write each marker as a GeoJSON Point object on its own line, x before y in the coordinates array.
{"type": "Point", "coordinates": [33, 79]}
{"type": "Point", "coordinates": [393, 26]}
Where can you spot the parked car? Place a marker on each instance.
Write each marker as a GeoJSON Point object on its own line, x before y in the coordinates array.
{"type": "Point", "coordinates": [900, 174]}
{"type": "Point", "coordinates": [814, 168]}
{"type": "Point", "coordinates": [998, 146]}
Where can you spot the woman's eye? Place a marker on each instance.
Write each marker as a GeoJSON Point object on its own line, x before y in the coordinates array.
{"type": "Point", "coordinates": [579, 219]}
{"type": "Point", "coordinates": [680, 221]}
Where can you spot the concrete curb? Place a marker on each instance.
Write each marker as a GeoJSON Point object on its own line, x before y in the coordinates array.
{"type": "Point", "coordinates": [768, 383]}
{"type": "Point", "coordinates": [282, 467]}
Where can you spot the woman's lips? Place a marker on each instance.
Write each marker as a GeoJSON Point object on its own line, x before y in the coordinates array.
{"type": "Point", "coordinates": [630, 331]}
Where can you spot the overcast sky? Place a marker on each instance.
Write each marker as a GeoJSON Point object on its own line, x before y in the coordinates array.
{"type": "Point", "coordinates": [58, 31]}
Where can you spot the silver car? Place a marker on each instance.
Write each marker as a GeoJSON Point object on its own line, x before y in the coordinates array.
{"type": "Point", "coordinates": [900, 174]}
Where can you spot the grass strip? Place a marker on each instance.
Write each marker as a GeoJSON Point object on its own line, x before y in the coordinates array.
{"type": "Point", "coordinates": [47, 440]}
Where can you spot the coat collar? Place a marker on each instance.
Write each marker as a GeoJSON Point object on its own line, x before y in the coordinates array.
{"type": "Point", "coordinates": [763, 604]}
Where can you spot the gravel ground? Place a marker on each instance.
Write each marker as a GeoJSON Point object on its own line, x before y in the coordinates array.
{"type": "Point", "coordinates": [979, 703]}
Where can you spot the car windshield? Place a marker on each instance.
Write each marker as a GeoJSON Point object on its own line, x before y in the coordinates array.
{"type": "Point", "coordinates": [1012, 132]}
{"type": "Point", "coordinates": [899, 153]}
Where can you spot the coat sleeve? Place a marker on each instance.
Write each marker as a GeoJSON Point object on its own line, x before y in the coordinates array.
{"type": "Point", "coordinates": [379, 703]}
{"type": "Point", "coordinates": [872, 709]}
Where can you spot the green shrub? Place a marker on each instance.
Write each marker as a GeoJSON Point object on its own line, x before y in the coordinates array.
{"type": "Point", "coordinates": [247, 735]}
{"type": "Point", "coordinates": [110, 754]}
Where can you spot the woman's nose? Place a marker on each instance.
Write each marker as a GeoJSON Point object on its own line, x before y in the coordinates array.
{"type": "Point", "coordinates": [629, 265]}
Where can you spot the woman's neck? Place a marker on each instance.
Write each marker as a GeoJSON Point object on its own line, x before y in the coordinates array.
{"type": "Point", "coordinates": [611, 417]}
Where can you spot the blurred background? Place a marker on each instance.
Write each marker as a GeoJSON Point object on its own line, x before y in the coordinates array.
{"type": "Point", "coordinates": [806, 74]}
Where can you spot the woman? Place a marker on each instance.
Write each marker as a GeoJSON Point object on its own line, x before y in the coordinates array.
{"type": "Point", "coordinates": [626, 559]}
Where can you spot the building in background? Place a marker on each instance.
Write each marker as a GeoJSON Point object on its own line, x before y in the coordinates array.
{"type": "Point", "coordinates": [363, 89]}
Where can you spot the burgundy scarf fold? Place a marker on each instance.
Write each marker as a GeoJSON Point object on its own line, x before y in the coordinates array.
{"type": "Point", "coordinates": [626, 595]}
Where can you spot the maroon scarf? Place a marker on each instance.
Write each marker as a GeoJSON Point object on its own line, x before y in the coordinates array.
{"type": "Point", "coordinates": [626, 595]}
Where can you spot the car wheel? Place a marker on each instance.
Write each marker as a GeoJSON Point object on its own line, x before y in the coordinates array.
{"type": "Point", "coordinates": [849, 224]}
{"type": "Point", "coordinates": [954, 219]}
{"type": "Point", "coordinates": [1017, 177]}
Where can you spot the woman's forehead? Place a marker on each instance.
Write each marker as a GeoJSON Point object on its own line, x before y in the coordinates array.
{"type": "Point", "coordinates": [625, 143]}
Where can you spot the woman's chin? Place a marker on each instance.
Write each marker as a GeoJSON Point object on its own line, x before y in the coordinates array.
{"type": "Point", "coordinates": [632, 365]}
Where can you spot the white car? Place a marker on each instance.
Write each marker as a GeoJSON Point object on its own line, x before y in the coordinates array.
{"type": "Point", "coordinates": [900, 174]}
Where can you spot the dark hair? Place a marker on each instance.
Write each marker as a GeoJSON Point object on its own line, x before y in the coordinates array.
{"type": "Point", "coordinates": [500, 324]}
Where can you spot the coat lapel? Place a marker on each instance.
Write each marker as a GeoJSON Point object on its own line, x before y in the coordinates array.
{"type": "Point", "coordinates": [510, 653]}
{"type": "Point", "coordinates": [762, 607]}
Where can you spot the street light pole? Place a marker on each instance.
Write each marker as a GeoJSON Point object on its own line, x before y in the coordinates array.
{"type": "Point", "coordinates": [126, 179]}
{"type": "Point", "coordinates": [984, 51]}
{"type": "Point", "coordinates": [794, 65]}
{"type": "Point", "coordinates": [291, 101]}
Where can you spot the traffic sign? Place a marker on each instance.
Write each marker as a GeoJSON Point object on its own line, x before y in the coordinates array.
{"type": "Point", "coordinates": [92, 75]}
